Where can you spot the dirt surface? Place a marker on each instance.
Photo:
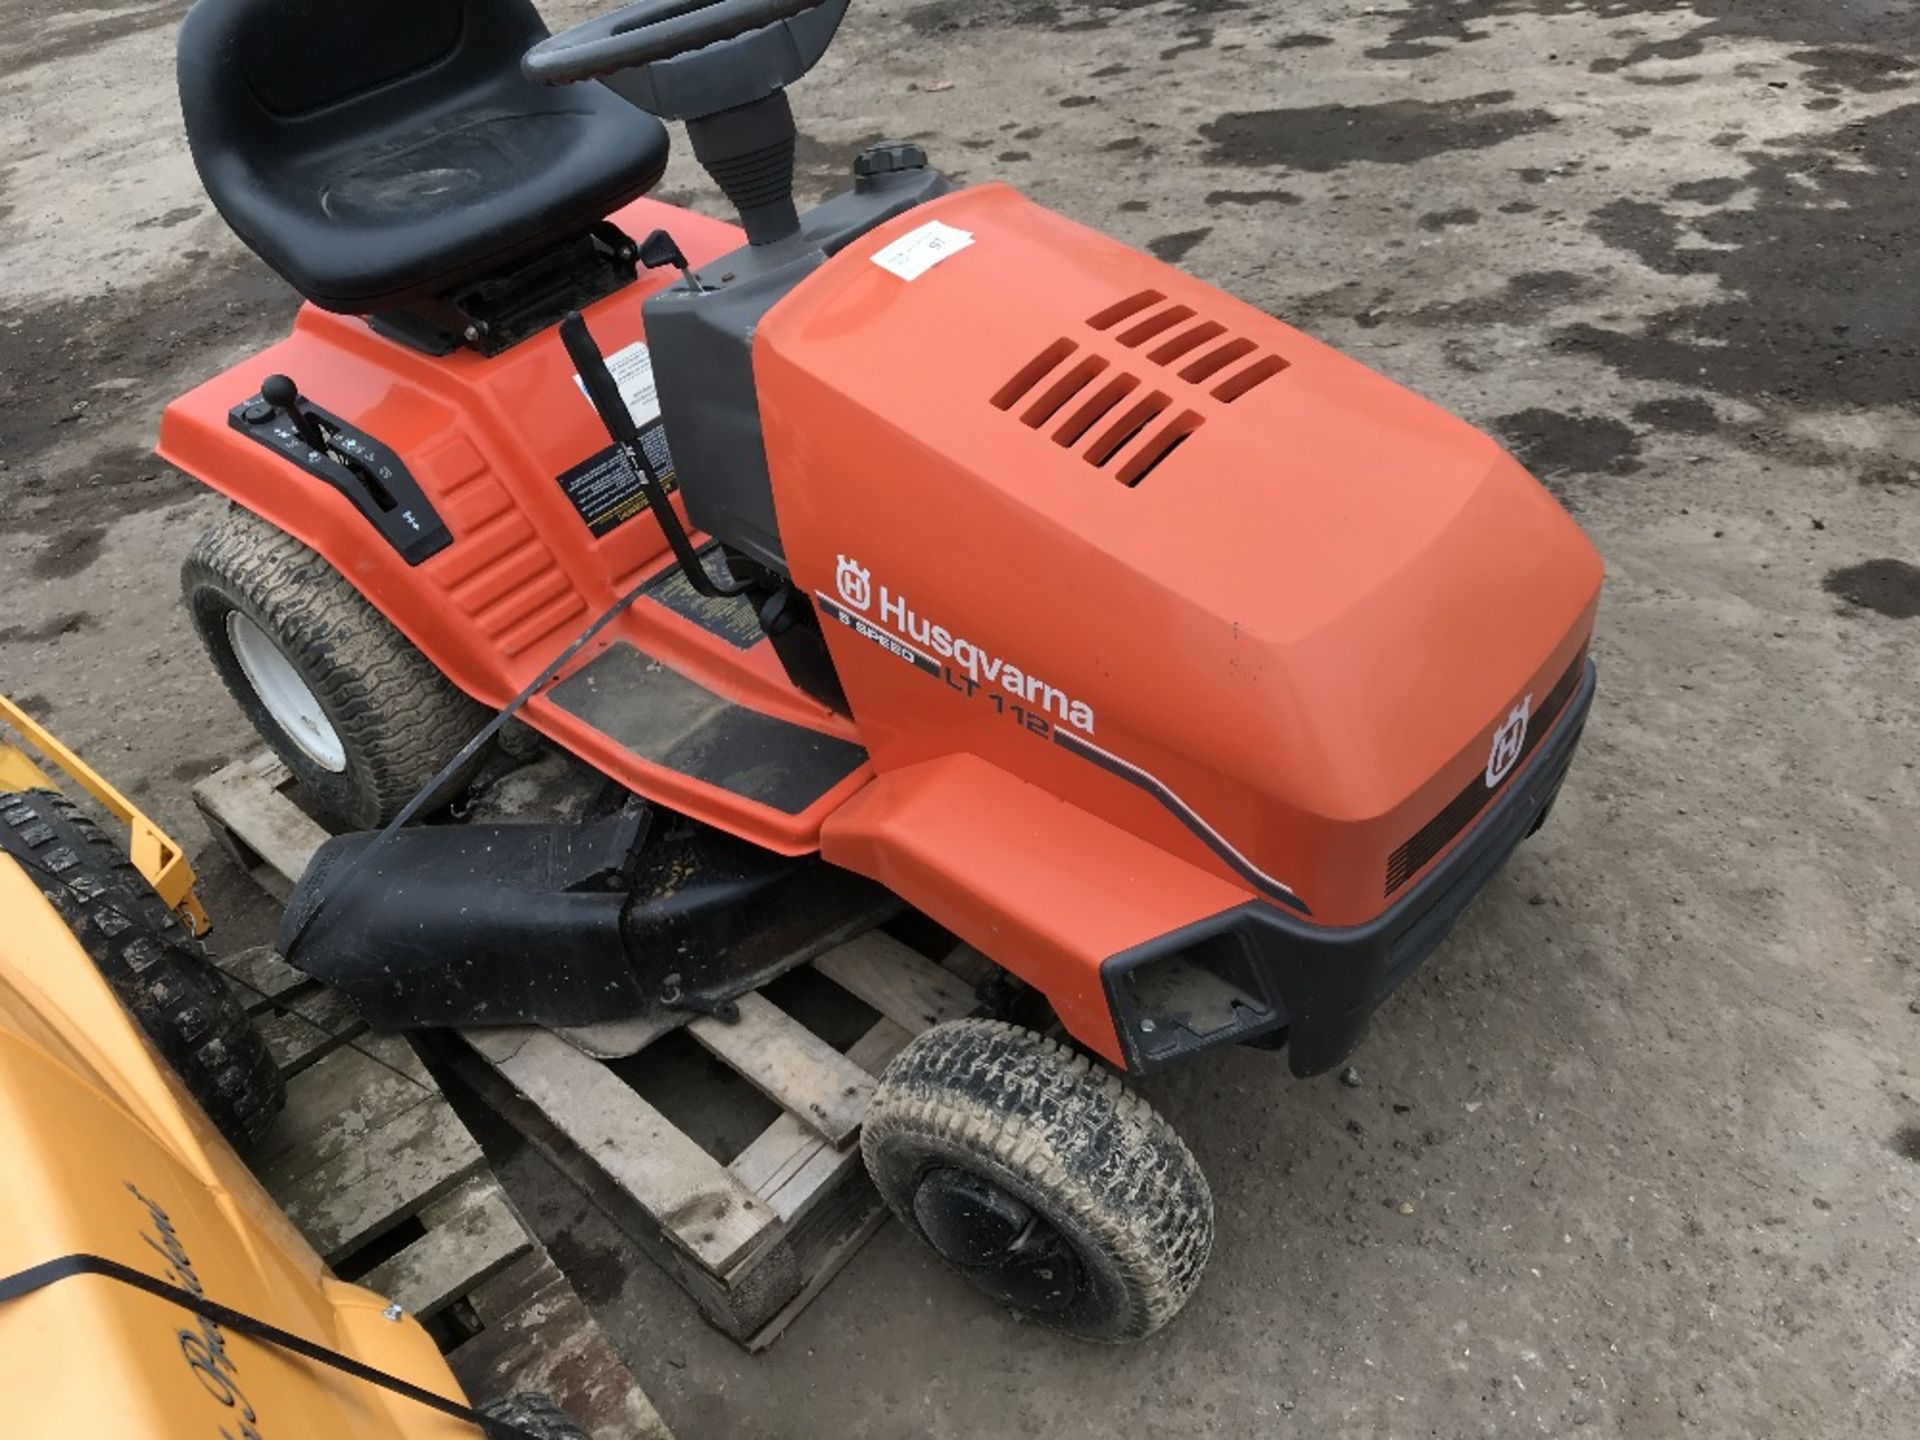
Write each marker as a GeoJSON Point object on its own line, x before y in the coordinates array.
{"type": "Point", "coordinates": [1640, 1153]}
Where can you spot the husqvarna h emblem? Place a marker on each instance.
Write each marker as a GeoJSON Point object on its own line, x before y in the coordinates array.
{"type": "Point", "coordinates": [1509, 743]}
{"type": "Point", "coordinates": [856, 584]}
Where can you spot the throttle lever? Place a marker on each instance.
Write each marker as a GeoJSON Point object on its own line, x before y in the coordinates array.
{"type": "Point", "coordinates": [660, 249]}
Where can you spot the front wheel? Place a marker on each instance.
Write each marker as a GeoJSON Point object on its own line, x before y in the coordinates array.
{"type": "Point", "coordinates": [1042, 1178]}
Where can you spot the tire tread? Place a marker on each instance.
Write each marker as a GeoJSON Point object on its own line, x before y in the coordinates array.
{"type": "Point", "coordinates": [159, 972]}
{"type": "Point", "coordinates": [398, 717]}
{"type": "Point", "coordinates": [1075, 1134]}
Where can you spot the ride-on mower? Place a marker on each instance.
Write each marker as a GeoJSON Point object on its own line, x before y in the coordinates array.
{"type": "Point", "coordinates": [923, 547]}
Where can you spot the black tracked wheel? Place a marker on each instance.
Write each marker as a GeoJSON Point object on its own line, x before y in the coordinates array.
{"type": "Point", "coordinates": [534, 1417]}
{"type": "Point", "coordinates": [158, 971]}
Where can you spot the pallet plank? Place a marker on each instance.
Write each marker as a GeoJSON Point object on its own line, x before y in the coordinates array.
{"type": "Point", "coordinates": [700, 1206]}
{"type": "Point", "coordinates": [251, 816]}
{"type": "Point", "coordinates": [328, 1009]}
{"type": "Point", "coordinates": [472, 1235]}
{"type": "Point", "coordinates": [900, 983]}
{"type": "Point", "coordinates": [738, 1301]}
{"type": "Point", "coordinates": [396, 1053]}
{"type": "Point", "coordinates": [262, 975]}
{"type": "Point", "coordinates": [824, 1196]}
{"type": "Point", "coordinates": [790, 1169]}
{"type": "Point", "coordinates": [860, 1212]}
{"type": "Point", "coordinates": [541, 1337]}
{"type": "Point", "coordinates": [331, 1108]}
{"type": "Point", "coordinates": [374, 1181]}
{"type": "Point", "coordinates": [791, 1066]}
{"type": "Point", "coordinates": [787, 1149]}
{"type": "Point", "coordinates": [298, 1043]}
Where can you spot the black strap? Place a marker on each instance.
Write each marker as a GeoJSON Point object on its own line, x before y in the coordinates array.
{"type": "Point", "coordinates": [38, 1277]}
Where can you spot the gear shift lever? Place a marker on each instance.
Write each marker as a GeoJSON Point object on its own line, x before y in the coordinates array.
{"type": "Point", "coordinates": [282, 394]}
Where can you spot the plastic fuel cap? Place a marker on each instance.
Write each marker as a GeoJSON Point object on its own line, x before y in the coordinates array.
{"type": "Point", "coordinates": [887, 158]}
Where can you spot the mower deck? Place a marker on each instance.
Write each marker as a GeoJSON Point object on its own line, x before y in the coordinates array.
{"type": "Point", "coordinates": [753, 1236]}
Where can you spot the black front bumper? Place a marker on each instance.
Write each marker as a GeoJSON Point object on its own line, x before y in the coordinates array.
{"type": "Point", "coordinates": [1256, 972]}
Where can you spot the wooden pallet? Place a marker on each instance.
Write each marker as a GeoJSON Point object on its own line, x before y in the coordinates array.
{"type": "Point", "coordinates": [373, 1165]}
{"type": "Point", "coordinates": [752, 1237]}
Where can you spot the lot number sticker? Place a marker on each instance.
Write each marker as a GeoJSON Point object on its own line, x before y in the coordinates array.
{"type": "Point", "coordinates": [913, 255]}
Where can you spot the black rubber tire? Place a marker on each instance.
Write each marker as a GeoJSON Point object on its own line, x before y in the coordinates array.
{"type": "Point", "coordinates": [537, 1416]}
{"type": "Point", "coordinates": [1067, 1138]}
{"type": "Point", "coordinates": [398, 718]}
{"type": "Point", "coordinates": [155, 966]}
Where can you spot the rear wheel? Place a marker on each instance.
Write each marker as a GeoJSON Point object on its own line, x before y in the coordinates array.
{"type": "Point", "coordinates": [157, 970]}
{"type": "Point", "coordinates": [360, 716]}
{"type": "Point", "coordinates": [1042, 1178]}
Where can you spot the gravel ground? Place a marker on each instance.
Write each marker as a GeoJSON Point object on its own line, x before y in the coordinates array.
{"type": "Point", "coordinates": [1640, 1153]}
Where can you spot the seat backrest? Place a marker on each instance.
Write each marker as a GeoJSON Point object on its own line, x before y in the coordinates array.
{"type": "Point", "coordinates": [379, 152]}
{"type": "Point", "coordinates": [251, 71]}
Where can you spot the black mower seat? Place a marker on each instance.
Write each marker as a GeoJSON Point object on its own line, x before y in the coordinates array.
{"type": "Point", "coordinates": [379, 152]}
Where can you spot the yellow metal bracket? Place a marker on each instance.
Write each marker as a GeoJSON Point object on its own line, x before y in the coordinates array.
{"type": "Point", "coordinates": [154, 853]}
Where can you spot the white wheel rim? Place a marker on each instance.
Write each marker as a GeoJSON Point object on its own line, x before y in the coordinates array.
{"type": "Point", "coordinates": [286, 697]}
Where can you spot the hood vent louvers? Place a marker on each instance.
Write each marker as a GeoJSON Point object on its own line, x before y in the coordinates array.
{"type": "Point", "coordinates": [1086, 405]}
{"type": "Point", "coordinates": [1256, 374]}
{"type": "Point", "coordinates": [1207, 349]}
{"type": "Point", "coordinates": [1126, 427]}
{"type": "Point", "coordinates": [1188, 339]}
{"type": "Point", "coordinates": [1072, 380]}
{"type": "Point", "coordinates": [1131, 306]}
{"type": "Point", "coordinates": [1032, 373]}
{"type": "Point", "coordinates": [1158, 446]}
{"type": "Point", "coordinates": [1096, 408]}
{"type": "Point", "coordinates": [1158, 323]}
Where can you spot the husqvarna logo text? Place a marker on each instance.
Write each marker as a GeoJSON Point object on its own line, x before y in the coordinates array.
{"type": "Point", "coordinates": [890, 621]}
{"type": "Point", "coordinates": [856, 583]}
{"type": "Point", "coordinates": [1509, 742]}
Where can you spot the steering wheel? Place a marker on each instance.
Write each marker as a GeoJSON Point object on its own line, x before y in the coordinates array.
{"type": "Point", "coordinates": [648, 31]}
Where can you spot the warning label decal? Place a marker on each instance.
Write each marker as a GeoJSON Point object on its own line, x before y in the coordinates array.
{"type": "Point", "coordinates": [632, 370]}
{"type": "Point", "coordinates": [731, 617]}
{"type": "Point", "coordinates": [605, 488]}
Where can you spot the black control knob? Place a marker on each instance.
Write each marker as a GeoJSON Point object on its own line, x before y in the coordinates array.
{"type": "Point", "coordinates": [777, 615]}
{"type": "Point", "coordinates": [283, 395]}
{"type": "Point", "coordinates": [660, 249]}
{"type": "Point", "coordinates": [889, 157]}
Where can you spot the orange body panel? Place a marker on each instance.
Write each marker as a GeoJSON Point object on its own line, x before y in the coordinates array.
{"type": "Point", "coordinates": [1040, 885]}
{"type": "Point", "coordinates": [1306, 621]}
{"type": "Point", "coordinates": [108, 1156]}
{"type": "Point", "coordinates": [487, 439]}
{"type": "Point", "coordinates": [1146, 604]}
